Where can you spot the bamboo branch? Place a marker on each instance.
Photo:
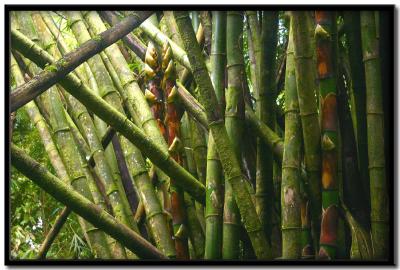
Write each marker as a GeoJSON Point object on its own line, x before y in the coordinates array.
{"type": "Point", "coordinates": [82, 206]}
{"type": "Point", "coordinates": [53, 73]}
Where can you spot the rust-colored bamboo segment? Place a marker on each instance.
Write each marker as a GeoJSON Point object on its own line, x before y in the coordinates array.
{"type": "Point", "coordinates": [172, 122]}
{"type": "Point", "coordinates": [329, 132]}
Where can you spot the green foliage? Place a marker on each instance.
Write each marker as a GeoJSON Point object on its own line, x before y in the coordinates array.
{"type": "Point", "coordinates": [32, 210]}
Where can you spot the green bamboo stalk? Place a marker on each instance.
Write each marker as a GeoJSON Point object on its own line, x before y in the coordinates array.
{"type": "Point", "coordinates": [52, 152]}
{"type": "Point", "coordinates": [226, 153]}
{"type": "Point", "coordinates": [69, 154]}
{"type": "Point", "coordinates": [113, 117]}
{"type": "Point", "coordinates": [83, 118]}
{"type": "Point", "coordinates": [305, 77]}
{"type": "Point", "coordinates": [143, 115]}
{"type": "Point", "coordinates": [329, 132]}
{"type": "Point", "coordinates": [214, 176]}
{"type": "Point", "coordinates": [160, 38]}
{"type": "Point", "coordinates": [375, 132]}
{"type": "Point", "coordinates": [234, 118]}
{"type": "Point", "coordinates": [82, 206]}
{"type": "Point", "coordinates": [290, 190]}
{"type": "Point", "coordinates": [134, 159]}
{"type": "Point", "coordinates": [206, 22]}
{"type": "Point", "coordinates": [196, 232]}
{"type": "Point", "coordinates": [65, 65]}
{"type": "Point", "coordinates": [265, 111]}
{"type": "Point", "coordinates": [130, 40]}
{"type": "Point", "coordinates": [254, 38]}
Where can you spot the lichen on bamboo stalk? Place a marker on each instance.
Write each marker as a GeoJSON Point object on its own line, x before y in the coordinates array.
{"type": "Point", "coordinates": [229, 162]}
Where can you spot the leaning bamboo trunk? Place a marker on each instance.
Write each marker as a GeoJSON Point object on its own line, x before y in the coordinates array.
{"type": "Point", "coordinates": [214, 177]}
{"type": "Point", "coordinates": [86, 96]}
{"type": "Point", "coordinates": [82, 206]}
{"type": "Point", "coordinates": [290, 190]}
{"type": "Point", "coordinates": [234, 118]}
{"type": "Point", "coordinates": [375, 128]}
{"type": "Point", "coordinates": [48, 77]}
{"type": "Point", "coordinates": [142, 113]}
{"type": "Point", "coordinates": [329, 131]}
{"type": "Point", "coordinates": [229, 162]}
{"type": "Point", "coordinates": [133, 157]}
{"type": "Point", "coordinates": [52, 152]}
{"type": "Point", "coordinates": [305, 78]}
{"type": "Point", "coordinates": [102, 167]}
{"type": "Point", "coordinates": [78, 176]}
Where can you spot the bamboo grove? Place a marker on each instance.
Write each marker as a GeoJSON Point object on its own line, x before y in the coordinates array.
{"type": "Point", "coordinates": [205, 135]}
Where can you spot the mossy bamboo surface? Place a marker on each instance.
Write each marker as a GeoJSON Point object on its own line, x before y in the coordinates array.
{"type": "Point", "coordinates": [214, 176]}
{"type": "Point", "coordinates": [305, 78]}
{"type": "Point", "coordinates": [68, 63]}
{"type": "Point", "coordinates": [226, 154]}
{"type": "Point", "coordinates": [329, 131]}
{"type": "Point", "coordinates": [134, 159]}
{"type": "Point", "coordinates": [130, 40]}
{"type": "Point", "coordinates": [375, 132]}
{"type": "Point", "coordinates": [234, 120]}
{"type": "Point", "coordinates": [265, 110]}
{"type": "Point", "coordinates": [142, 113]}
{"type": "Point", "coordinates": [82, 206]}
{"type": "Point", "coordinates": [108, 114]}
{"type": "Point", "coordinates": [82, 117]}
{"type": "Point", "coordinates": [290, 185]}
{"type": "Point", "coordinates": [53, 154]}
{"type": "Point", "coordinates": [206, 22]}
{"type": "Point", "coordinates": [69, 154]}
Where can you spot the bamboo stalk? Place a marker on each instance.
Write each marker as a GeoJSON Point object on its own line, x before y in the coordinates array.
{"type": "Point", "coordinates": [303, 54]}
{"type": "Point", "coordinates": [226, 154]}
{"type": "Point", "coordinates": [133, 157]}
{"type": "Point", "coordinates": [53, 154]}
{"type": "Point", "coordinates": [114, 118]}
{"type": "Point", "coordinates": [78, 175]}
{"type": "Point", "coordinates": [290, 190]}
{"type": "Point", "coordinates": [82, 206]}
{"type": "Point", "coordinates": [68, 63]}
{"type": "Point", "coordinates": [375, 132]}
{"type": "Point", "coordinates": [329, 132]}
{"type": "Point", "coordinates": [265, 97]}
{"type": "Point", "coordinates": [234, 118]}
{"type": "Point", "coordinates": [214, 176]}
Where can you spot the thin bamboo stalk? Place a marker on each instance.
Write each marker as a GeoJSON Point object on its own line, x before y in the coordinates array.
{"type": "Point", "coordinates": [225, 150]}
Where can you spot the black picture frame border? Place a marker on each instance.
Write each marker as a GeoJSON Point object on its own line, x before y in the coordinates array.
{"type": "Point", "coordinates": [392, 260]}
